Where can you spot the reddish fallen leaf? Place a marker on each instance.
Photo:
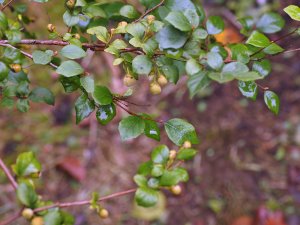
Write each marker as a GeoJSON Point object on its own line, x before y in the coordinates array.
{"type": "Point", "coordinates": [73, 167]}
{"type": "Point", "coordinates": [243, 220]}
{"type": "Point", "coordinates": [267, 217]}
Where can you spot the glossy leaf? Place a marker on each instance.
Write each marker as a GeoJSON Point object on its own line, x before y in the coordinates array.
{"type": "Point", "coordinates": [170, 37]}
{"type": "Point", "coordinates": [131, 127]}
{"type": "Point", "coordinates": [26, 194]}
{"type": "Point", "coordinates": [160, 154]}
{"type": "Point", "coordinates": [179, 21]}
{"type": "Point", "coordinates": [258, 39]}
{"type": "Point", "coordinates": [173, 177]}
{"type": "Point", "coordinates": [198, 82]}
{"type": "Point", "coordinates": [272, 101]}
{"type": "Point", "coordinates": [179, 131]}
{"type": "Point", "coordinates": [84, 107]}
{"type": "Point", "coordinates": [293, 11]}
{"type": "Point", "coordinates": [72, 52]}
{"type": "Point", "coordinates": [27, 165]}
{"type": "Point", "coordinates": [146, 197]}
{"type": "Point", "coordinates": [41, 57]}
{"type": "Point", "coordinates": [106, 113]}
{"type": "Point", "coordinates": [215, 25]}
{"type": "Point", "coordinates": [270, 23]}
{"type": "Point", "coordinates": [142, 65]}
{"type": "Point", "coordinates": [102, 95]}
{"type": "Point", "coordinates": [186, 154]}
{"type": "Point", "coordinates": [263, 67]}
{"type": "Point", "coordinates": [41, 94]}
{"type": "Point", "coordinates": [214, 60]}
{"type": "Point", "coordinates": [248, 89]}
{"type": "Point", "coordinates": [69, 69]}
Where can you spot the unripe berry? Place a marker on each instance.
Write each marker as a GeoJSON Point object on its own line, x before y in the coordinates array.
{"type": "Point", "coordinates": [187, 144]}
{"type": "Point", "coordinates": [155, 89]}
{"type": "Point", "coordinates": [172, 154]}
{"type": "Point", "coordinates": [122, 24]}
{"type": "Point", "coordinates": [150, 19]}
{"type": "Point", "coordinates": [27, 213]}
{"type": "Point", "coordinates": [51, 28]}
{"type": "Point", "coordinates": [129, 80]}
{"type": "Point", "coordinates": [176, 190]}
{"type": "Point", "coordinates": [162, 80]}
{"type": "Point", "coordinates": [103, 213]}
{"type": "Point", "coordinates": [37, 221]}
{"type": "Point", "coordinates": [70, 4]}
{"type": "Point", "coordinates": [16, 67]}
{"type": "Point", "coordinates": [77, 36]}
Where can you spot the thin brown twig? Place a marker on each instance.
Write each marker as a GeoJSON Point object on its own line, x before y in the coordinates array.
{"type": "Point", "coordinates": [137, 115]}
{"type": "Point", "coordinates": [11, 218]}
{"type": "Point", "coordinates": [25, 53]}
{"type": "Point", "coordinates": [149, 11]}
{"type": "Point", "coordinates": [6, 5]}
{"type": "Point", "coordinates": [84, 202]}
{"type": "Point", "coordinates": [275, 41]}
{"type": "Point", "coordinates": [8, 174]}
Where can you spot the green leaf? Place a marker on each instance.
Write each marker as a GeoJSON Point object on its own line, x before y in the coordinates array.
{"type": "Point", "coordinates": [141, 64]}
{"type": "Point", "coordinates": [160, 154]}
{"type": "Point", "coordinates": [179, 21]}
{"type": "Point", "coordinates": [153, 183]}
{"type": "Point", "coordinates": [240, 53]}
{"type": "Point", "coordinates": [69, 69]}
{"type": "Point", "coordinates": [129, 11]}
{"type": "Point", "coordinates": [70, 20]}
{"type": "Point", "coordinates": [192, 17]}
{"type": "Point", "coordinates": [173, 177]}
{"type": "Point", "coordinates": [248, 89]}
{"type": "Point", "coordinates": [248, 76]}
{"type": "Point", "coordinates": [157, 170]}
{"type": "Point", "coordinates": [26, 194]}
{"type": "Point", "coordinates": [41, 57]}
{"type": "Point", "coordinates": [197, 82]}
{"type": "Point", "coordinates": [41, 94]}
{"type": "Point", "coordinates": [235, 67]}
{"type": "Point", "coordinates": [23, 105]}
{"type": "Point", "coordinates": [3, 71]}
{"type": "Point", "coordinates": [270, 23]}
{"type": "Point", "coordinates": [137, 30]}
{"type": "Point", "coordinates": [140, 180]}
{"type": "Point", "coordinates": [215, 25]}
{"type": "Point", "coordinates": [180, 5]}
{"type": "Point", "coordinates": [146, 197]}
{"type": "Point", "coordinates": [52, 218]}
{"type": "Point", "coordinates": [258, 39]}
{"type": "Point", "coordinates": [273, 49]}
{"type": "Point", "coordinates": [214, 60]}
{"type": "Point", "coordinates": [100, 32]}
{"type": "Point", "coordinates": [152, 130]}
{"type": "Point", "coordinates": [106, 113]}
{"type": "Point", "coordinates": [272, 101]}
{"type": "Point", "coordinates": [192, 67]}
{"type": "Point", "coordinates": [72, 52]}
{"type": "Point", "coordinates": [131, 127]}
{"type": "Point", "coordinates": [221, 77]}
{"type": "Point", "coordinates": [88, 84]}
{"type": "Point", "coordinates": [83, 107]}
{"type": "Point", "coordinates": [170, 37]}
{"type": "Point", "coordinates": [102, 95]}
{"type": "Point", "coordinates": [27, 165]}
{"type": "Point", "coordinates": [180, 131]}
{"type": "Point", "coordinates": [293, 11]}
{"type": "Point", "coordinates": [262, 67]}
{"type": "Point", "coordinates": [70, 84]}
{"type": "Point", "coordinates": [186, 154]}
{"type": "Point", "coordinates": [145, 168]}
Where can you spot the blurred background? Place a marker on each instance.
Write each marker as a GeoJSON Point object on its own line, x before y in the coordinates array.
{"type": "Point", "coordinates": [248, 168]}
